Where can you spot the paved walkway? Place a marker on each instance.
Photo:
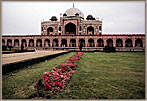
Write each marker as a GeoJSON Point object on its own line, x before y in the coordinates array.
{"type": "Point", "coordinates": [14, 57]}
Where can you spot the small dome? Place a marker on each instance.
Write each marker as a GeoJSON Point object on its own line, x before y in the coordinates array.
{"type": "Point", "coordinates": [90, 17]}
{"type": "Point", "coordinates": [64, 14]}
{"type": "Point", "coordinates": [73, 11]}
{"type": "Point", "coordinates": [53, 18]}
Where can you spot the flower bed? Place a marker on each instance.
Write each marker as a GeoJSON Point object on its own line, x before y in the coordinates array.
{"type": "Point", "coordinates": [58, 78]}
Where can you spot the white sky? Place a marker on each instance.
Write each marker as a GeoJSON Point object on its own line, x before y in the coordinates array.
{"type": "Point", "coordinates": [24, 18]}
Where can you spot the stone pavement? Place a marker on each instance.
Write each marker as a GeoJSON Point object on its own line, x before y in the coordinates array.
{"type": "Point", "coordinates": [15, 57]}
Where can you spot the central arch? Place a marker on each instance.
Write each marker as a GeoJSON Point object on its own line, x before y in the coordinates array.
{"type": "Point", "coordinates": [70, 28]}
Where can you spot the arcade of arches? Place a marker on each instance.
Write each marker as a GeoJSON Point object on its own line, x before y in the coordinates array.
{"type": "Point", "coordinates": [74, 42]}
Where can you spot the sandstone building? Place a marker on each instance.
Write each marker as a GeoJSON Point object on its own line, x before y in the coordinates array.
{"type": "Point", "coordinates": [71, 30]}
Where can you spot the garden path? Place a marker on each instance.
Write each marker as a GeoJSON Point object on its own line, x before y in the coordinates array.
{"type": "Point", "coordinates": [15, 57]}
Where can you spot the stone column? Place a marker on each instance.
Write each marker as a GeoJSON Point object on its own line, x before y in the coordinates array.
{"type": "Point", "coordinates": [95, 43]}
{"type": "Point", "coordinates": [105, 43]}
{"type": "Point", "coordinates": [123, 42]}
{"type": "Point", "coordinates": [96, 30]}
{"type": "Point", "coordinates": [133, 42]}
{"type": "Point", "coordinates": [45, 32]}
{"type": "Point", "coordinates": [77, 28]}
{"type": "Point", "coordinates": [59, 42]}
{"type": "Point", "coordinates": [5, 42]}
{"type": "Point", "coordinates": [35, 42]}
{"type": "Point", "coordinates": [143, 43]}
{"type": "Point", "coordinates": [114, 42]}
{"type": "Point", "coordinates": [63, 30]}
{"type": "Point", "coordinates": [19, 42]}
{"type": "Point", "coordinates": [42, 42]}
{"type": "Point", "coordinates": [27, 42]}
{"type": "Point", "coordinates": [86, 42]}
{"type": "Point", "coordinates": [68, 42]}
{"type": "Point", "coordinates": [51, 42]}
{"type": "Point", "coordinates": [77, 42]}
{"type": "Point", "coordinates": [12, 42]}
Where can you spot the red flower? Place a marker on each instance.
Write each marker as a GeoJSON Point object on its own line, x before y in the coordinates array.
{"type": "Point", "coordinates": [59, 77]}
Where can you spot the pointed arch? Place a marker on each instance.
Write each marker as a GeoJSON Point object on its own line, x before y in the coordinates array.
{"type": "Point", "coordinates": [128, 43]}
{"type": "Point", "coordinates": [90, 43]}
{"type": "Point", "coordinates": [100, 42]}
{"type": "Point", "coordinates": [55, 43]}
{"type": "Point", "coordinates": [70, 28]}
{"type": "Point", "coordinates": [119, 43]}
{"type": "Point", "coordinates": [63, 43]}
{"type": "Point", "coordinates": [110, 43]}
{"type": "Point", "coordinates": [138, 43]}
{"type": "Point", "coordinates": [72, 43]}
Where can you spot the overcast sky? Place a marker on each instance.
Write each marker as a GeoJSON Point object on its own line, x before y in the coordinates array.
{"type": "Point", "coordinates": [24, 18]}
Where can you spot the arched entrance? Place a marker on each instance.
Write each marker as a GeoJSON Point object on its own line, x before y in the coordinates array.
{"type": "Point", "coordinates": [63, 43]}
{"type": "Point", "coordinates": [46, 43]}
{"type": "Point", "coordinates": [110, 43]}
{"type": "Point", "coordinates": [24, 42]}
{"type": "Point", "coordinates": [55, 43]}
{"type": "Point", "coordinates": [90, 30]}
{"type": "Point", "coordinates": [100, 43]}
{"type": "Point", "coordinates": [3, 42]}
{"type": "Point", "coordinates": [72, 43]}
{"type": "Point", "coordinates": [70, 28]}
{"type": "Point", "coordinates": [39, 43]}
{"type": "Point", "coordinates": [9, 42]}
{"type": "Point", "coordinates": [82, 41]}
{"type": "Point", "coordinates": [50, 31]}
{"type": "Point", "coordinates": [31, 43]}
{"type": "Point", "coordinates": [4, 48]}
{"type": "Point", "coordinates": [90, 43]}
{"type": "Point", "coordinates": [16, 42]}
{"type": "Point", "coordinates": [138, 43]}
{"type": "Point", "coordinates": [119, 43]}
{"type": "Point", "coordinates": [128, 43]}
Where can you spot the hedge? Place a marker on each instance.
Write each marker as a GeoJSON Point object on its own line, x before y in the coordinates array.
{"type": "Point", "coordinates": [6, 68]}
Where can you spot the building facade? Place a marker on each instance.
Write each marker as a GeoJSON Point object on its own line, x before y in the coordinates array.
{"type": "Point", "coordinates": [71, 31]}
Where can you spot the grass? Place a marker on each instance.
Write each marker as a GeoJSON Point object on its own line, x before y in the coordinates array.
{"type": "Point", "coordinates": [16, 84]}
{"type": "Point", "coordinates": [108, 76]}
{"type": "Point", "coordinates": [99, 75]}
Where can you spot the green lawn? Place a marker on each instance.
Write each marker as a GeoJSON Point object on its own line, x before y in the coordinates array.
{"type": "Point", "coordinates": [119, 75]}
{"type": "Point", "coordinates": [17, 86]}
